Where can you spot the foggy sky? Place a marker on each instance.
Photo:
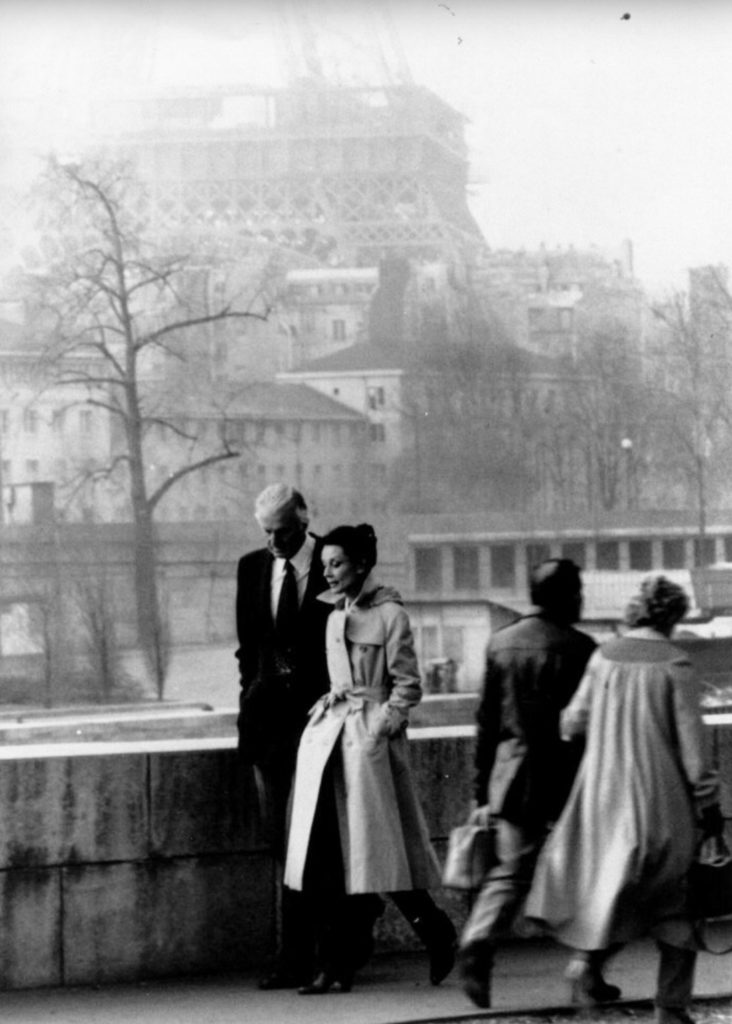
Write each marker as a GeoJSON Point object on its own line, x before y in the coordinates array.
{"type": "Point", "coordinates": [586, 126]}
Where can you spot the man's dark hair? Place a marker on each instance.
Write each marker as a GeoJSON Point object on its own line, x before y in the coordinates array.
{"type": "Point", "coordinates": [555, 584]}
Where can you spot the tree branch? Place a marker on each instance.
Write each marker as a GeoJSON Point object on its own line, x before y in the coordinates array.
{"type": "Point", "coordinates": [155, 497]}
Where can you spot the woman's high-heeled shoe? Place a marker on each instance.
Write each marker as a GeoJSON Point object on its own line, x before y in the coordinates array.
{"type": "Point", "coordinates": [325, 980]}
{"type": "Point", "coordinates": [588, 988]}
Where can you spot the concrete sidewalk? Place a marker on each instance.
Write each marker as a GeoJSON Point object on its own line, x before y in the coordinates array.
{"type": "Point", "coordinates": [391, 990]}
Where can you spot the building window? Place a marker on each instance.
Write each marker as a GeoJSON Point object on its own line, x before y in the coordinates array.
{"type": "Point", "coordinates": [673, 553]}
{"type": "Point", "coordinates": [704, 551]}
{"type": "Point", "coordinates": [453, 643]}
{"type": "Point", "coordinates": [575, 552]}
{"type": "Point", "coordinates": [377, 432]}
{"type": "Point", "coordinates": [466, 574]}
{"type": "Point", "coordinates": [608, 555]}
{"type": "Point", "coordinates": [503, 566]}
{"type": "Point", "coordinates": [31, 468]}
{"type": "Point", "coordinates": [640, 554]}
{"type": "Point", "coordinates": [429, 643]}
{"type": "Point", "coordinates": [428, 568]}
{"type": "Point", "coordinates": [728, 548]}
{"type": "Point", "coordinates": [565, 319]}
{"type": "Point", "coordinates": [338, 330]}
{"type": "Point", "coordinates": [376, 398]}
{"type": "Point", "coordinates": [536, 553]}
{"type": "Point", "coordinates": [30, 421]}
{"type": "Point", "coordinates": [6, 470]}
{"type": "Point", "coordinates": [58, 420]}
{"type": "Point", "coordinates": [85, 421]}
{"type": "Point", "coordinates": [316, 432]}
{"type": "Point", "coordinates": [4, 421]}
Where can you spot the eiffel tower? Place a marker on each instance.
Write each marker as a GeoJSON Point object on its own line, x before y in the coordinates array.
{"type": "Point", "coordinates": [345, 163]}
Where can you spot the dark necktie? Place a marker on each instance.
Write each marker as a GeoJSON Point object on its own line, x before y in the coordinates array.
{"type": "Point", "coordinates": [287, 608]}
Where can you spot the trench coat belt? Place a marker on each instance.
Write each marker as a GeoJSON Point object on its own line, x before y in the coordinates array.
{"type": "Point", "coordinates": [356, 698]}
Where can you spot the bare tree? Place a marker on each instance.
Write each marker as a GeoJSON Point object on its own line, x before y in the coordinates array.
{"type": "Point", "coordinates": [117, 317]}
{"type": "Point", "coordinates": [472, 424]}
{"type": "Point", "coordinates": [602, 407]}
{"type": "Point", "coordinates": [692, 378]}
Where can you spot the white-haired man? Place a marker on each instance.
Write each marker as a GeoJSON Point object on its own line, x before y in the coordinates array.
{"type": "Point", "coordinates": [281, 632]}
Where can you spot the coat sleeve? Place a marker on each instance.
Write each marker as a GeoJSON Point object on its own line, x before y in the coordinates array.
{"type": "Point", "coordinates": [694, 739]}
{"type": "Point", "coordinates": [488, 719]}
{"type": "Point", "coordinates": [401, 667]}
{"type": "Point", "coordinates": [247, 653]}
{"type": "Point", "coordinates": [575, 717]}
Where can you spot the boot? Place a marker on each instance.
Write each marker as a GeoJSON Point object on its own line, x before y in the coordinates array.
{"type": "Point", "coordinates": [664, 1015]}
{"type": "Point", "coordinates": [674, 985]}
{"type": "Point", "coordinates": [587, 985]}
{"type": "Point", "coordinates": [364, 912]}
{"type": "Point", "coordinates": [434, 928]}
{"type": "Point", "coordinates": [476, 967]}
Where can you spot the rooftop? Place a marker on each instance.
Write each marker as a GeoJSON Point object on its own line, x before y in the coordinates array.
{"type": "Point", "coordinates": [354, 359]}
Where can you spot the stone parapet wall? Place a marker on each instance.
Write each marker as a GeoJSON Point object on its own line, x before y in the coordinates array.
{"type": "Point", "coordinates": [123, 861]}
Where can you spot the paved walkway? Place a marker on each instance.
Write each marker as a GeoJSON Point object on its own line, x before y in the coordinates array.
{"type": "Point", "coordinates": [391, 990]}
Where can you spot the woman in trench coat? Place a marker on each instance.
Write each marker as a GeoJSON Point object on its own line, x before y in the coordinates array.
{"type": "Point", "coordinates": [357, 828]}
{"type": "Point", "coordinates": [615, 865]}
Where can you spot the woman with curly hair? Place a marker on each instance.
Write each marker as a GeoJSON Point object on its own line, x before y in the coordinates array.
{"type": "Point", "coordinates": [616, 864]}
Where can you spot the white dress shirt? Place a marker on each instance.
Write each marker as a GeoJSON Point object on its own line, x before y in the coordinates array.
{"type": "Point", "coordinates": [301, 564]}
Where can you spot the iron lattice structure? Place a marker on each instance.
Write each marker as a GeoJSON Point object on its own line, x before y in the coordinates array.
{"type": "Point", "coordinates": [336, 175]}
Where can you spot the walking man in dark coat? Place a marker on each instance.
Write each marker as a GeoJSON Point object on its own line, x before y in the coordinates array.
{"type": "Point", "coordinates": [281, 632]}
{"type": "Point", "coordinates": [523, 769]}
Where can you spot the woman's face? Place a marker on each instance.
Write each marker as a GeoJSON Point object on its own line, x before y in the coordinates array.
{"type": "Point", "coordinates": [341, 574]}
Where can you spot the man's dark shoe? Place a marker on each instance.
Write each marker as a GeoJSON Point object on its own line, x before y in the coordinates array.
{"type": "Point", "coordinates": [279, 979]}
{"type": "Point", "coordinates": [476, 967]}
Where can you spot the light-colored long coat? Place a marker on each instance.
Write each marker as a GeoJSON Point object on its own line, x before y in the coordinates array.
{"type": "Point", "coordinates": [374, 681]}
{"type": "Point", "coordinates": [615, 865]}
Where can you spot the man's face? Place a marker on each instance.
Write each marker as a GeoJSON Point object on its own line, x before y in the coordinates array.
{"type": "Point", "coordinates": [285, 532]}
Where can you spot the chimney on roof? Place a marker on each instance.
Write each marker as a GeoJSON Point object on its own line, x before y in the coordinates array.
{"type": "Point", "coordinates": [386, 314]}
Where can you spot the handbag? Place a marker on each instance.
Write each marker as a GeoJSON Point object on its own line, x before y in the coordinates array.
{"type": "Point", "coordinates": [710, 889]}
{"type": "Point", "coordinates": [471, 853]}
{"type": "Point", "coordinates": [710, 880]}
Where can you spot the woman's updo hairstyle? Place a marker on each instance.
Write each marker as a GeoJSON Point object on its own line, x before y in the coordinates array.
{"type": "Point", "coordinates": [358, 543]}
{"type": "Point", "coordinates": [661, 603]}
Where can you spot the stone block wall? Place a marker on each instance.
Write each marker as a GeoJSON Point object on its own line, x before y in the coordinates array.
{"type": "Point", "coordinates": [130, 865]}
{"type": "Point", "coordinates": [126, 861]}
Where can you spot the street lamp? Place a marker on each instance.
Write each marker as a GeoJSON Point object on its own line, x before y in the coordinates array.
{"type": "Point", "coordinates": [627, 446]}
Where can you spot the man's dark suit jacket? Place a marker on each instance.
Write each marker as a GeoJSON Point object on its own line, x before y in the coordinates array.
{"type": "Point", "coordinates": [523, 768]}
{"type": "Point", "coordinates": [272, 710]}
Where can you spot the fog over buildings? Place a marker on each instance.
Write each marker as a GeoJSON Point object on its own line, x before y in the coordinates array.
{"type": "Point", "coordinates": [417, 259]}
